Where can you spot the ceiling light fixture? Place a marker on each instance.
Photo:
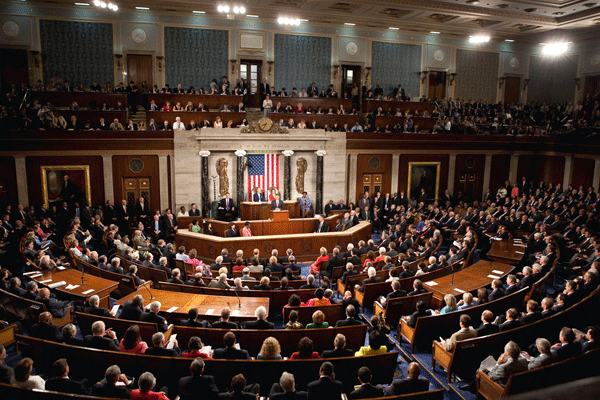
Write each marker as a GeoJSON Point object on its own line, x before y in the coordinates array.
{"type": "Point", "coordinates": [509, 40]}
{"type": "Point", "coordinates": [393, 28]}
{"type": "Point", "coordinates": [251, 16]}
{"type": "Point", "coordinates": [349, 24]}
{"type": "Point", "coordinates": [288, 21]}
{"type": "Point", "coordinates": [199, 12]}
{"type": "Point", "coordinates": [435, 32]}
{"type": "Point", "coordinates": [142, 8]}
{"type": "Point", "coordinates": [479, 39]}
{"type": "Point", "coordinates": [82, 4]}
{"type": "Point", "coordinates": [101, 4]}
{"type": "Point", "coordinates": [555, 49]}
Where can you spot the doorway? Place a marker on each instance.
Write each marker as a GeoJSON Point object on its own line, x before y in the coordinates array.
{"type": "Point", "coordinates": [371, 183]}
{"type": "Point", "coordinates": [437, 85]}
{"type": "Point", "coordinates": [351, 75]}
{"type": "Point", "coordinates": [133, 189]}
{"type": "Point", "coordinates": [592, 86]}
{"type": "Point", "coordinates": [512, 89]}
{"type": "Point", "coordinates": [139, 68]}
{"type": "Point", "coordinates": [14, 68]}
{"type": "Point", "coordinates": [251, 73]}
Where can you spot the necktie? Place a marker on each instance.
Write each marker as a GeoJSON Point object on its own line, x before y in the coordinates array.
{"type": "Point", "coordinates": [227, 204]}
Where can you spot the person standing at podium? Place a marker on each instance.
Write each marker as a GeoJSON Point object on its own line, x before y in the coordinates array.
{"type": "Point", "coordinates": [227, 206]}
{"type": "Point", "coordinates": [305, 204]}
{"type": "Point", "coordinates": [258, 196]}
{"type": "Point", "coordinates": [277, 204]}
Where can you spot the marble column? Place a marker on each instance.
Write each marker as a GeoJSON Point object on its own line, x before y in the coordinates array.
{"type": "Point", "coordinates": [395, 173]}
{"type": "Point", "coordinates": [514, 165]}
{"type": "Point", "coordinates": [352, 172]}
{"type": "Point", "coordinates": [287, 174]}
{"type": "Point", "coordinates": [319, 200]}
{"type": "Point", "coordinates": [451, 173]}
{"type": "Point", "coordinates": [109, 189]}
{"type": "Point", "coordinates": [204, 182]}
{"type": "Point", "coordinates": [596, 177]}
{"type": "Point", "coordinates": [568, 171]}
{"type": "Point", "coordinates": [21, 172]}
{"type": "Point", "coordinates": [487, 172]}
{"type": "Point", "coordinates": [163, 174]}
{"type": "Point", "coordinates": [239, 184]}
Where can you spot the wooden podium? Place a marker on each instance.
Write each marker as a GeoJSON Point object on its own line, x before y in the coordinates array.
{"type": "Point", "coordinates": [280, 216]}
{"type": "Point", "coordinates": [253, 211]}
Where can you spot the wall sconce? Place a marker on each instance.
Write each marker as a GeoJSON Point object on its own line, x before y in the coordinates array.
{"type": "Point", "coordinates": [335, 71]}
{"type": "Point", "coordinates": [368, 74]}
{"type": "Point", "coordinates": [501, 82]}
{"type": "Point", "coordinates": [36, 61]}
{"type": "Point", "coordinates": [270, 67]}
{"type": "Point", "coordinates": [452, 78]}
{"type": "Point", "coordinates": [160, 65]}
{"type": "Point", "coordinates": [424, 76]}
{"type": "Point", "coordinates": [577, 83]}
{"type": "Point", "coordinates": [233, 66]}
{"type": "Point", "coordinates": [526, 83]}
{"type": "Point", "coordinates": [119, 62]}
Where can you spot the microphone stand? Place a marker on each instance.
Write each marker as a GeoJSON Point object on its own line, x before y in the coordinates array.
{"type": "Point", "coordinates": [452, 268]}
{"type": "Point", "coordinates": [82, 276]}
{"type": "Point", "coordinates": [146, 287]}
{"type": "Point", "coordinates": [238, 297]}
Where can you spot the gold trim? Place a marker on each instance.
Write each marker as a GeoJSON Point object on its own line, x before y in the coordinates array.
{"type": "Point", "coordinates": [437, 177]}
{"type": "Point", "coordinates": [86, 168]}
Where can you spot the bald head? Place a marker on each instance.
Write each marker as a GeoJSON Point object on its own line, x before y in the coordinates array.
{"type": "Point", "coordinates": [413, 371]}
{"type": "Point", "coordinates": [45, 317]}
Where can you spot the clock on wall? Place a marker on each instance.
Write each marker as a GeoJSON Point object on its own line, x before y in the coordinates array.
{"type": "Point", "coordinates": [351, 48]}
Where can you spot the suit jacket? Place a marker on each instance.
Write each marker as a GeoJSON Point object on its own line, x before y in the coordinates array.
{"type": "Point", "coordinates": [259, 324]}
{"type": "Point", "coordinates": [325, 389]}
{"type": "Point", "coordinates": [336, 353]}
{"type": "Point", "coordinates": [406, 386]}
{"type": "Point", "coordinates": [233, 233]}
{"type": "Point", "coordinates": [57, 308]}
{"type": "Point", "coordinates": [6, 373]}
{"type": "Point", "coordinates": [130, 311]}
{"type": "Point", "coordinates": [191, 387]}
{"type": "Point", "coordinates": [161, 322]}
{"type": "Point", "coordinates": [487, 329]}
{"type": "Point", "coordinates": [258, 197]}
{"type": "Point", "coordinates": [366, 391]}
{"type": "Point", "coordinates": [230, 353]}
{"type": "Point", "coordinates": [163, 352]}
{"type": "Point", "coordinates": [529, 318]}
{"type": "Point", "coordinates": [101, 343]}
{"type": "Point", "coordinates": [103, 389]}
{"type": "Point", "coordinates": [231, 203]}
{"type": "Point", "coordinates": [540, 361]}
{"type": "Point", "coordinates": [367, 281]}
{"type": "Point", "coordinates": [501, 373]}
{"type": "Point", "coordinates": [508, 325]}
{"type": "Point", "coordinates": [224, 325]}
{"type": "Point", "coordinates": [396, 294]}
{"type": "Point", "coordinates": [462, 334]}
{"type": "Point", "coordinates": [496, 294]}
{"type": "Point", "coordinates": [101, 312]}
{"type": "Point", "coordinates": [277, 204]}
{"type": "Point", "coordinates": [45, 331]}
{"type": "Point", "coordinates": [324, 228]}
{"type": "Point", "coordinates": [567, 351]}
{"type": "Point", "coordinates": [347, 322]}
{"type": "Point", "coordinates": [348, 273]}
{"type": "Point", "coordinates": [65, 385]}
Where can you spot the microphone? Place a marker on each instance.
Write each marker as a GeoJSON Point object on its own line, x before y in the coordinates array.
{"type": "Point", "coordinates": [238, 297]}
{"type": "Point", "coordinates": [82, 276]}
{"type": "Point", "coordinates": [146, 287]}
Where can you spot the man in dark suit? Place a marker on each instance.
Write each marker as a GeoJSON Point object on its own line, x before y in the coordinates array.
{"type": "Point", "coordinates": [224, 322]}
{"type": "Point", "coordinates": [265, 89]}
{"type": "Point", "coordinates": [532, 314]}
{"type": "Point", "coordinates": [422, 311]}
{"type": "Point", "coordinates": [142, 211]}
{"type": "Point", "coordinates": [259, 196]}
{"type": "Point", "coordinates": [372, 278]}
{"type": "Point", "coordinates": [511, 320]}
{"type": "Point", "coordinates": [349, 271]}
{"type": "Point", "coordinates": [312, 90]}
{"type": "Point", "coordinates": [286, 389]}
{"type": "Point", "coordinates": [6, 372]}
{"type": "Point", "coordinates": [486, 327]}
{"type": "Point", "coordinates": [326, 387]}
{"type": "Point", "coordinates": [229, 352]}
{"type": "Point", "coordinates": [322, 226]}
{"type": "Point", "coordinates": [44, 328]}
{"type": "Point", "coordinates": [335, 261]}
{"type": "Point", "coordinates": [193, 320]}
{"type": "Point", "coordinates": [394, 294]}
{"type": "Point", "coordinates": [132, 309]}
{"type": "Point", "coordinates": [261, 320]}
{"type": "Point", "coordinates": [497, 290]}
{"type": "Point", "coordinates": [152, 316]}
{"type": "Point", "coordinates": [366, 390]}
{"type": "Point", "coordinates": [277, 204]}
{"type": "Point", "coordinates": [61, 381]}
{"type": "Point", "coordinates": [108, 387]}
{"type": "Point", "coordinates": [350, 320]}
{"type": "Point", "coordinates": [101, 338]}
{"type": "Point", "coordinates": [354, 258]}
{"type": "Point", "coordinates": [158, 347]}
{"type": "Point", "coordinates": [57, 308]}
{"type": "Point", "coordinates": [568, 346]}
{"type": "Point", "coordinates": [191, 387]}
{"type": "Point", "coordinates": [527, 279]}
{"type": "Point", "coordinates": [123, 214]}
{"type": "Point", "coordinates": [412, 384]}
{"type": "Point", "coordinates": [227, 206]}
{"type": "Point", "coordinates": [340, 350]}
{"type": "Point", "coordinates": [95, 309]}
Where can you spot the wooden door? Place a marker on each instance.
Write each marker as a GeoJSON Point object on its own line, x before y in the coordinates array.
{"type": "Point", "coordinates": [467, 184]}
{"type": "Point", "coordinates": [139, 68]}
{"type": "Point", "coordinates": [371, 183]}
{"type": "Point", "coordinates": [14, 68]}
{"type": "Point", "coordinates": [437, 85]}
{"type": "Point", "coordinates": [251, 73]}
{"type": "Point", "coordinates": [512, 89]}
{"type": "Point", "coordinates": [133, 189]}
{"type": "Point", "coordinates": [592, 85]}
{"type": "Point", "coordinates": [351, 75]}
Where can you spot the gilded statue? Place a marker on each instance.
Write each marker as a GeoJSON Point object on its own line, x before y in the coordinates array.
{"type": "Point", "coordinates": [221, 166]}
{"type": "Point", "coordinates": [302, 165]}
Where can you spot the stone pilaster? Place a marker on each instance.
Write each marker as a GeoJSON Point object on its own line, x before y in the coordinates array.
{"type": "Point", "coordinates": [204, 182]}
{"type": "Point", "coordinates": [239, 184]}
{"type": "Point", "coordinates": [287, 174]}
{"type": "Point", "coordinates": [319, 201]}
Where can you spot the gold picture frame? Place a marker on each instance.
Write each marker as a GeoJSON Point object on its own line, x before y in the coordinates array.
{"type": "Point", "coordinates": [416, 181]}
{"type": "Point", "coordinates": [53, 178]}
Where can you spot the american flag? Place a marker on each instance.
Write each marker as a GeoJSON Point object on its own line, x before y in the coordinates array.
{"type": "Point", "coordinates": [263, 172]}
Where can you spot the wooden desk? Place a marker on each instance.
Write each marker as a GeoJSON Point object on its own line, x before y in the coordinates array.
{"type": "Point", "coordinates": [99, 286]}
{"type": "Point", "coordinates": [252, 211]}
{"type": "Point", "coordinates": [315, 103]}
{"type": "Point", "coordinates": [506, 251]}
{"type": "Point", "coordinates": [198, 116]}
{"type": "Point", "coordinates": [293, 207]}
{"type": "Point", "coordinates": [320, 119]}
{"type": "Point", "coordinates": [204, 303]}
{"type": "Point", "coordinates": [211, 101]}
{"type": "Point", "coordinates": [425, 123]}
{"type": "Point", "coordinates": [466, 280]}
{"type": "Point", "coordinates": [392, 105]}
{"type": "Point", "coordinates": [64, 99]}
{"type": "Point", "coordinates": [84, 115]}
{"type": "Point", "coordinates": [279, 216]}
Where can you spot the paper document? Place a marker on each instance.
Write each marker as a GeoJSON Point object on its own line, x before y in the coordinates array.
{"type": "Point", "coordinates": [488, 363]}
{"type": "Point", "coordinates": [497, 272]}
{"type": "Point", "coordinates": [459, 290]}
{"type": "Point", "coordinates": [235, 312]}
{"type": "Point", "coordinates": [432, 283]}
{"type": "Point", "coordinates": [61, 268]}
{"type": "Point", "coordinates": [36, 275]}
{"type": "Point", "coordinates": [29, 273]}
{"type": "Point", "coordinates": [114, 310]}
{"type": "Point", "coordinates": [206, 350]}
{"type": "Point", "coordinates": [210, 311]}
{"type": "Point", "coordinates": [170, 310]}
{"type": "Point", "coordinates": [519, 252]}
{"type": "Point", "coordinates": [493, 276]}
{"type": "Point", "coordinates": [57, 284]}
{"type": "Point", "coordinates": [171, 343]}
{"type": "Point", "coordinates": [88, 291]}
{"type": "Point", "coordinates": [46, 281]}
{"type": "Point", "coordinates": [71, 287]}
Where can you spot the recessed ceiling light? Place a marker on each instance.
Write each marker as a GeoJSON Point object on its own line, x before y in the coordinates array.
{"type": "Point", "coordinates": [472, 2]}
{"type": "Point", "coordinates": [558, 13]}
{"type": "Point", "coordinates": [199, 12]}
{"type": "Point", "coordinates": [590, 4]}
{"type": "Point", "coordinates": [142, 8]}
{"type": "Point", "coordinates": [349, 24]}
{"type": "Point", "coordinates": [393, 28]}
{"type": "Point", "coordinates": [435, 32]}
{"type": "Point", "coordinates": [502, 6]}
{"type": "Point", "coordinates": [303, 20]}
{"type": "Point", "coordinates": [530, 10]}
{"type": "Point", "coordinates": [509, 40]}
{"type": "Point", "coordinates": [251, 16]}
{"type": "Point", "coordinates": [82, 4]}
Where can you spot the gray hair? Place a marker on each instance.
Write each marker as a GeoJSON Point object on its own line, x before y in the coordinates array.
{"type": "Point", "coordinates": [162, 260]}
{"type": "Point", "coordinates": [261, 312]}
{"type": "Point", "coordinates": [155, 306]}
{"type": "Point", "coordinates": [287, 382]}
{"type": "Point", "coordinates": [112, 373]}
{"type": "Point", "coordinates": [94, 300]}
{"type": "Point", "coordinates": [543, 345]}
{"type": "Point", "coordinates": [146, 382]}
{"type": "Point", "coordinates": [157, 339]}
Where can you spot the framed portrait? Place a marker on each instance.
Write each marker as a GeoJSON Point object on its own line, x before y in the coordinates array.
{"type": "Point", "coordinates": [70, 183]}
{"type": "Point", "coordinates": [423, 175]}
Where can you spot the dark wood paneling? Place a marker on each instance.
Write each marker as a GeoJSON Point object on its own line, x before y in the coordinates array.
{"type": "Point", "coordinates": [139, 68]}
{"type": "Point", "coordinates": [213, 102]}
{"type": "Point", "coordinates": [499, 171]}
{"type": "Point", "coordinates": [471, 166]}
{"type": "Point", "coordinates": [363, 167]}
{"type": "Point", "coordinates": [13, 67]}
{"type": "Point", "coordinates": [549, 169]}
{"type": "Point", "coordinates": [8, 181]}
{"type": "Point", "coordinates": [121, 170]}
{"type": "Point", "coordinates": [512, 89]}
{"type": "Point", "coordinates": [425, 124]}
{"type": "Point", "coordinates": [198, 116]}
{"type": "Point", "coordinates": [34, 176]}
{"type": "Point", "coordinates": [320, 119]}
{"type": "Point", "coordinates": [392, 106]}
{"type": "Point", "coordinates": [64, 99]}
{"type": "Point", "coordinates": [86, 115]}
{"type": "Point", "coordinates": [403, 170]}
{"type": "Point", "coordinates": [583, 172]}
{"type": "Point", "coordinates": [324, 103]}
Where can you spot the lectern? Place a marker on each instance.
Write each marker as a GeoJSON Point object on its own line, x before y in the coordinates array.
{"type": "Point", "coordinates": [280, 216]}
